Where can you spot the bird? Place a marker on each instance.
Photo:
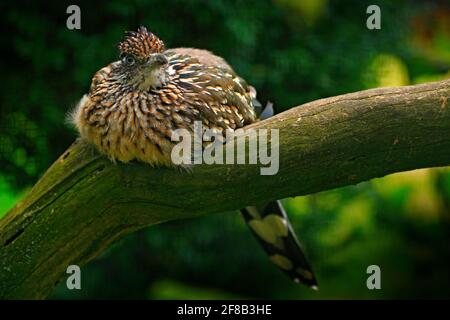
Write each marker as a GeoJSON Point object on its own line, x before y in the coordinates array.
{"type": "Point", "coordinates": [134, 105]}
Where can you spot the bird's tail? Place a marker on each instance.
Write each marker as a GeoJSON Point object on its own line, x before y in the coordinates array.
{"type": "Point", "coordinates": [273, 230]}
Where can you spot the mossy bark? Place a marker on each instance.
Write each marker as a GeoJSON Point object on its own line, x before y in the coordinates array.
{"type": "Point", "coordinates": [84, 202]}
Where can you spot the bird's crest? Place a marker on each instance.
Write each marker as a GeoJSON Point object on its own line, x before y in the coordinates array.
{"type": "Point", "coordinates": [140, 43]}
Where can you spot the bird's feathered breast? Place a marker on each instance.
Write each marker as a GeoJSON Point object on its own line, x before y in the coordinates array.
{"type": "Point", "coordinates": [126, 123]}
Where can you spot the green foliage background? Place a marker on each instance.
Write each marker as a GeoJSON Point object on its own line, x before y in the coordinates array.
{"type": "Point", "coordinates": [292, 52]}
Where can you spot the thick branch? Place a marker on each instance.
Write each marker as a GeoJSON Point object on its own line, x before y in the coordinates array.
{"type": "Point", "coordinates": [83, 202]}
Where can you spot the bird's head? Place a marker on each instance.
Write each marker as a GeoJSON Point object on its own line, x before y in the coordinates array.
{"type": "Point", "coordinates": [142, 59]}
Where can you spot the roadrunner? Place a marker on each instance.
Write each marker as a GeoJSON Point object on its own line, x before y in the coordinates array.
{"type": "Point", "coordinates": [135, 104]}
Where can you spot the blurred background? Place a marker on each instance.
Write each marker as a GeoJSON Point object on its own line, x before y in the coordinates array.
{"type": "Point", "coordinates": [292, 52]}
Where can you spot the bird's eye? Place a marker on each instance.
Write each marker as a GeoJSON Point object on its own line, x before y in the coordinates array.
{"type": "Point", "coordinates": [129, 60]}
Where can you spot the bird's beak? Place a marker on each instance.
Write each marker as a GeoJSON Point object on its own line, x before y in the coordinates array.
{"type": "Point", "coordinates": [157, 59]}
{"type": "Point", "coordinates": [152, 75]}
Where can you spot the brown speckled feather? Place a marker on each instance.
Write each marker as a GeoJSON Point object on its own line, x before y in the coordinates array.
{"type": "Point", "coordinates": [127, 124]}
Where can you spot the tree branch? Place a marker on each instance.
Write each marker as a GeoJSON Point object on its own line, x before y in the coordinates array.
{"type": "Point", "coordinates": [84, 202]}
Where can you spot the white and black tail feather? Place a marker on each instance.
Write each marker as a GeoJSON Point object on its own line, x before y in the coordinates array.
{"type": "Point", "coordinates": [273, 230]}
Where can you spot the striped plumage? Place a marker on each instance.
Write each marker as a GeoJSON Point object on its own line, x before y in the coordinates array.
{"type": "Point", "coordinates": [127, 122]}
{"type": "Point", "coordinates": [134, 105]}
